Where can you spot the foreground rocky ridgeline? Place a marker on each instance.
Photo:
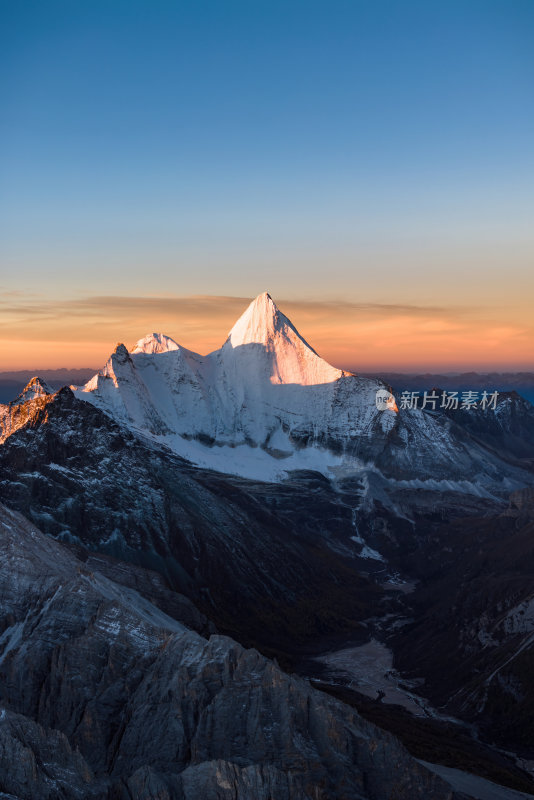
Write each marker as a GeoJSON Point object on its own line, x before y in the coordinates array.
{"type": "Point", "coordinates": [104, 696]}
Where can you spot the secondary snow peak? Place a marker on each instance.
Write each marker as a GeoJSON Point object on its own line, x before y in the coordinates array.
{"type": "Point", "coordinates": [155, 343]}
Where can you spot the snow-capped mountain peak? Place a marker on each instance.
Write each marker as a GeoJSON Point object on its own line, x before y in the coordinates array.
{"type": "Point", "coordinates": [37, 387]}
{"type": "Point", "coordinates": [261, 323]}
{"type": "Point", "coordinates": [155, 343]}
{"type": "Point", "coordinates": [271, 344]}
{"type": "Point", "coordinates": [266, 403]}
{"type": "Point", "coordinates": [265, 392]}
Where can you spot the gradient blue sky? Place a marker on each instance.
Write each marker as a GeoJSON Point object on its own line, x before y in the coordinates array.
{"type": "Point", "coordinates": [376, 152]}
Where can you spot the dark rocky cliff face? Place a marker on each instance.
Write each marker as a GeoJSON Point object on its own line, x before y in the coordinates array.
{"type": "Point", "coordinates": [472, 634]}
{"type": "Point", "coordinates": [508, 429]}
{"type": "Point", "coordinates": [102, 695]}
{"type": "Point", "coordinates": [275, 565]}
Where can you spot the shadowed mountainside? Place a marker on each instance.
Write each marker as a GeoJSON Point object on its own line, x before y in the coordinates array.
{"type": "Point", "coordinates": [104, 696]}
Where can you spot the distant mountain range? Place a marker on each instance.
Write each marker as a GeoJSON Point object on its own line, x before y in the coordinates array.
{"type": "Point", "coordinates": [520, 382]}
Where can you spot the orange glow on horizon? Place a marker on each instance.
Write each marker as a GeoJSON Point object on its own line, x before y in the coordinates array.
{"type": "Point", "coordinates": [360, 337]}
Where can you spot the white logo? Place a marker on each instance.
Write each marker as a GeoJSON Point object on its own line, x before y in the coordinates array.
{"type": "Point", "coordinates": [385, 401]}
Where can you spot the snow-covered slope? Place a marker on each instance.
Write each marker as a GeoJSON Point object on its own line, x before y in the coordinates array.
{"type": "Point", "coordinates": [266, 403]}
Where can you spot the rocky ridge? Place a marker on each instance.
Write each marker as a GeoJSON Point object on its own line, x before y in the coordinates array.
{"type": "Point", "coordinates": [104, 696]}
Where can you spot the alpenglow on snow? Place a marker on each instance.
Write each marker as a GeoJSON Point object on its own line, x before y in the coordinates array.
{"type": "Point", "coordinates": [266, 403]}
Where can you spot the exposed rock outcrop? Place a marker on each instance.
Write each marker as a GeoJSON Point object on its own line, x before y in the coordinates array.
{"type": "Point", "coordinates": [104, 696]}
